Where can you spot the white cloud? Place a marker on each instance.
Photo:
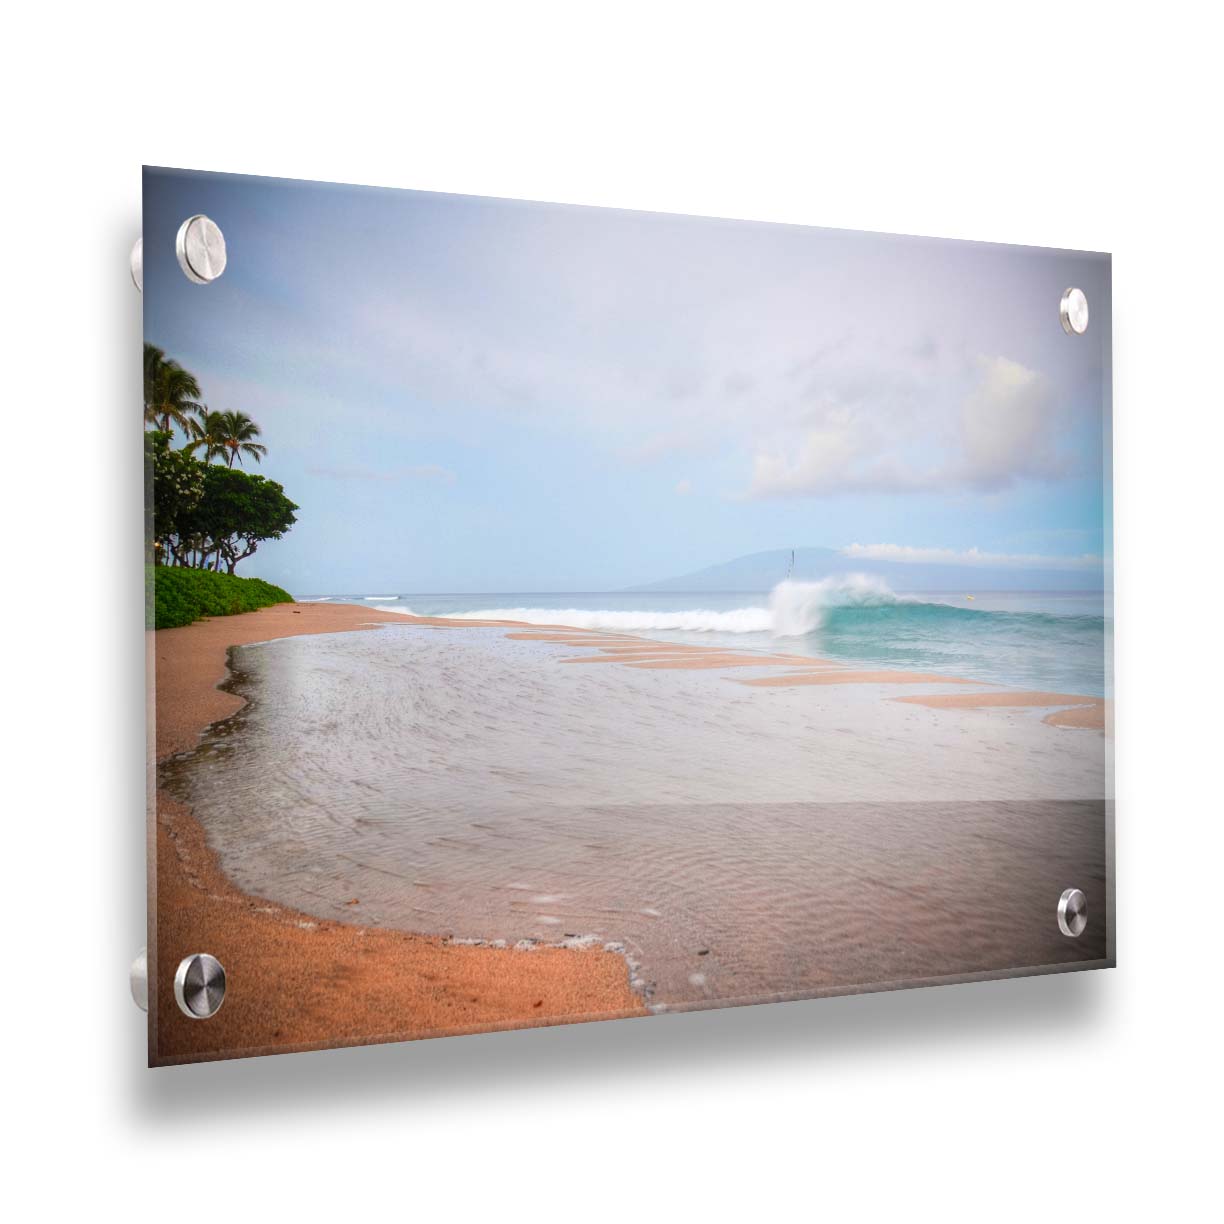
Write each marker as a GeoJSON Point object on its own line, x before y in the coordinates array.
{"type": "Point", "coordinates": [684, 486]}
{"type": "Point", "coordinates": [969, 556]}
{"type": "Point", "coordinates": [897, 437]}
{"type": "Point", "coordinates": [1007, 427]}
{"type": "Point", "coordinates": [844, 453]}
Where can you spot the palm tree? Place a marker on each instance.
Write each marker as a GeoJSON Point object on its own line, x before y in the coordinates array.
{"type": "Point", "coordinates": [204, 432]}
{"type": "Point", "coordinates": [237, 434]}
{"type": "Point", "coordinates": [171, 394]}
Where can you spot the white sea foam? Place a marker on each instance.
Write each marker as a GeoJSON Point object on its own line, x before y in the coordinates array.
{"type": "Point", "coordinates": [795, 609]}
{"type": "Point", "coordinates": [379, 598]}
{"type": "Point", "coordinates": [798, 608]}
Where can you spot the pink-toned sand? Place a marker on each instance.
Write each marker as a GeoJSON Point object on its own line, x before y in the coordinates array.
{"type": "Point", "coordinates": [837, 675]}
{"type": "Point", "coordinates": [680, 657]}
{"type": "Point", "coordinates": [1085, 712]}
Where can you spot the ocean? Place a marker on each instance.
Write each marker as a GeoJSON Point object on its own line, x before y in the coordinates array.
{"type": "Point", "coordinates": [1051, 640]}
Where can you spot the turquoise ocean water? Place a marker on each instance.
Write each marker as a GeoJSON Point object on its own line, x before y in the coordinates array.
{"type": "Point", "coordinates": [1032, 639]}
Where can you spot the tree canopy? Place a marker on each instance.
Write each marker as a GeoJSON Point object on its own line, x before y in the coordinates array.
{"type": "Point", "coordinates": [204, 516]}
{"type": "Point", "coordinates": [234, 515]}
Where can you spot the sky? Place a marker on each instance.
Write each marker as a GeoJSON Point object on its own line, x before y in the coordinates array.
{"type": "Point", "coordinates": [476, 395]}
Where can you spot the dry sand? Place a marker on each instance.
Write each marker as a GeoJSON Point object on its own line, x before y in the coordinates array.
{"type": "Point", "coordinates": [295, 982]}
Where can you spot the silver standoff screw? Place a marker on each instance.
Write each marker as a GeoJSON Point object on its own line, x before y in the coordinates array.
{"type": "Point", "coordinates": [199, 986]}
{"type": "Point", "coordinates": [1073, 312]}
{"type": "Point", "coordinates": [136, 263]}
{"type": "Point", "coordinates": [138, 980]}
{"type": "Point", "coordinates": [1072, 913]}
{"type": "Point", "coordinates": [200, 247]}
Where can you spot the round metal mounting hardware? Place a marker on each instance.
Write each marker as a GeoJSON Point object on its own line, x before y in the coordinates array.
{"type": "Point", "coordinates": [1073, 312]}
{"type": "Point", "coordinates": [200, 247]}
{"type": "Point", "coordinates": [1072, 913]}
{"type": "Point", "coordinates": [199, 986]}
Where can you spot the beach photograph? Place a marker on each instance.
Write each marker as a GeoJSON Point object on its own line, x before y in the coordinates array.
{"type": "Point", "coordinates": [560, 614]}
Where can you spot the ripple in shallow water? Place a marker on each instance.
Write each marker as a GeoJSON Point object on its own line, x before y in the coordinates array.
{"type": "Point", "coordinates": [737, 843]}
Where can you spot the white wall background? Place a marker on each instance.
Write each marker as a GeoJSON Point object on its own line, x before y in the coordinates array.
{"type": "Point", "coordinates": [1065, 124]}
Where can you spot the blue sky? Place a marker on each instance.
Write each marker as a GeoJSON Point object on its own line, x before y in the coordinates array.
{"type": "Point", "coordinates": [471, 395]}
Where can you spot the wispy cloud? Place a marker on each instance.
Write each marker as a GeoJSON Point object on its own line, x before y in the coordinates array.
{"type": "Point", "coordinates": [968, 556]}
{"type": "Point", "coordinates": [425, 471]}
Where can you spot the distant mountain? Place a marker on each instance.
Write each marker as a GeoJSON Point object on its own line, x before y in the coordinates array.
{"type": "Point", "coordinates": [764, 570]}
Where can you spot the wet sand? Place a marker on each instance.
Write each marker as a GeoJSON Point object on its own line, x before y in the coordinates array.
{"type": "Point", "coordinates": [297, 982]}
{"type": "Point", "coordinates": [1088, 713]}
{"type": "Point", "coordinates": [687, 661]}
{"type": "Point", "coordinates": [836, 675]}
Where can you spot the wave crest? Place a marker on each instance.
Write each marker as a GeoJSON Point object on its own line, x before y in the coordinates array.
{"type": "Point", "coordinates": [795, 609]}
{"type": "Point", "coordinates": [798, 608]}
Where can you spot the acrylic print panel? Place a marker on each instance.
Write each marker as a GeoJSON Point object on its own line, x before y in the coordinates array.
{"type": "Point", "coordinates": [567, 614]}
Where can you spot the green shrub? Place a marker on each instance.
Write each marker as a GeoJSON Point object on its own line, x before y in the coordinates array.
{"type": "Point", "coordinates": [176, 596]}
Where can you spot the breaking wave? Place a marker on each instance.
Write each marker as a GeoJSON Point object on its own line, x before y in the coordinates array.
{"type": "Point", "coordinates": [799, 608]}
{"type": "Point", "coordinates": [795, 609]}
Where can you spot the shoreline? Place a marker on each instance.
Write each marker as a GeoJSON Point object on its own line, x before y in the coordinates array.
{"type": "Point", "coordinates": [301, 983]}
{"type": "Point", "coordinates": [315, 983]}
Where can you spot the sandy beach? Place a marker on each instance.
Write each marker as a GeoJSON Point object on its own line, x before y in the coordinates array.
{"type": "Point", "coordinates": [296, 982]}
{"type": "Point", "coordinates": [439, 867]}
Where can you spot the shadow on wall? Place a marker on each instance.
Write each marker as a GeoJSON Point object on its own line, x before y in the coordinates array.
{"type": "Point", "coordinates": [592, 1056]}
